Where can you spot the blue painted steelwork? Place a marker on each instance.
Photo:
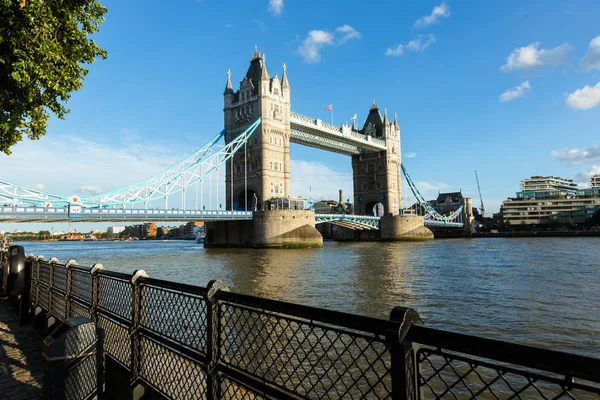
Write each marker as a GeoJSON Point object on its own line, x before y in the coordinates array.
{"type": "Point", "coordinates": [355, 222]}
{"type": "Point", "coordinates": [432, 217]}
{"type": "Point", "coordinates": [174, 179]}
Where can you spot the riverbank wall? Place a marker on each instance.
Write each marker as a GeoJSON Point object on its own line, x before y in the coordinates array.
{"type": "Point", "coordinates": [545, 234]}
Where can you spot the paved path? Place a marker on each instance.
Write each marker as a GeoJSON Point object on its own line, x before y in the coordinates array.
{"type": "Point", "coordinates": [21, 363]}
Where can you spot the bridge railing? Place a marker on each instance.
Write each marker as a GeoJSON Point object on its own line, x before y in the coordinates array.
{"type": "Point", "coordinates": [182, 341]}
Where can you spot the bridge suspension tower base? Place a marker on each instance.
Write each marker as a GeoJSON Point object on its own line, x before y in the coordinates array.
{"type": "Point", "coordinates": [392, 228]}
{"type": "Point", "coordinates": [267, 229]}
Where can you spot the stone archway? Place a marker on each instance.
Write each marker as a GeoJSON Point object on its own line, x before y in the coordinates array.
{"type": "Point", "coordinates": [375, 208]}
{"type": "Point", "coordinates": [253, 201]}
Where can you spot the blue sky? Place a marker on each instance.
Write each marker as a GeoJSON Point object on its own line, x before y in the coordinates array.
{"type": "Point", "coordinates": [510, 88]}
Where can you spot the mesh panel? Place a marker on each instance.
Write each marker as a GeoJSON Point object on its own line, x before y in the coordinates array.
{"type": "Point", "coordinates": [233, 390]}
{"type": "Point", "coordinates": [115, 296]}
{"type": "Point", "coordinates": [176, 315]}
{"type": "Point", "coordinates": [81, 286]}
{"type": "Point", "coordinates": [43, 295]}
{"type": "Point", "coordinates": [448, 376]}
{"type": "Point", "coordinates": [79, 310]}
{"type": "Point", "coordinates": [58, 305]}
{"type": "Point", "coordinates": [59, 278]}
{"type": "Point", "coordinates": [171, 373]}
{"type": "Point", "coordinates": [81, 381]}
{"type": "Point", "coordinates": [117, 344]}
{"type": "Point", "coordinates": [44, 273]}
{"type": "Point", "coordinates": [305, 357]}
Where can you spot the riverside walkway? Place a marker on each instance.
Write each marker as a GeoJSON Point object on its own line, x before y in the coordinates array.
{"type": "Point", "coordinates": [21, 363]}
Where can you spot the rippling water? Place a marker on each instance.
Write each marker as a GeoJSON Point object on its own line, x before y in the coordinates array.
{"type": "Point", "coordinates": [541, 291]}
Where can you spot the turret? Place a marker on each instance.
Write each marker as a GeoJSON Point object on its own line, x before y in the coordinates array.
{"type": "Point", "coordinates": [284, 79]}
{"type": "Point", "coordinates": [228, 93]}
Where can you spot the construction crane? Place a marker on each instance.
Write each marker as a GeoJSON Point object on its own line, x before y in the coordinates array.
{"type": "Point", "coordinates": [481, 207]}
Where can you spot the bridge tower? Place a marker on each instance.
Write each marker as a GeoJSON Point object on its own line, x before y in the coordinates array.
{"type": "Point", "coordinates": [377, 176]}
{"type": "Point", "coordinates": [262, 171]}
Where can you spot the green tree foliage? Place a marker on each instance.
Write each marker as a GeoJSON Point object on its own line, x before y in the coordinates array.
{"type": "Point", "coordinates": [44, 45]}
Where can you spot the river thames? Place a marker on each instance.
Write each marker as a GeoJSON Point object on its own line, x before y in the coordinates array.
{"type": "Point", "coordinates": [538, 291]}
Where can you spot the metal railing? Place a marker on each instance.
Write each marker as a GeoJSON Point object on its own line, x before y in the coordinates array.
{"type": "Point", "coordinates": [189, 342]}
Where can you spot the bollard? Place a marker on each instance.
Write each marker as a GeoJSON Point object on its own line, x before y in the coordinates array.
{"type": "Point", "coordinates": [14, 271]}
{"type": "Point", "coordinates": [74, 361]}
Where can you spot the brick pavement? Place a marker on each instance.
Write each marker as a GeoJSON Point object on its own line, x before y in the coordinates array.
{"type": "Point", "coordinates": [21, 362]}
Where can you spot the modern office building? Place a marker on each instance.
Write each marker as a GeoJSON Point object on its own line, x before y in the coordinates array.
{"type": "Point", "coordinates": [596, 181]}
{"type": "Point", "coordinates": [544, 199]}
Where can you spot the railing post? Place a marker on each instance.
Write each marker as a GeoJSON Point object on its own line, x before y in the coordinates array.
{"type": "Point", "coordinates": [214, 322]}
{"type": "Point", "coordinates": [404, 364]}
{"type": "Point", "coordinates": [69, 287]}
{"type": "Point", "coordinates": [96, 269]}
{"type": "Point", "coordinates": [50, 321]}
{"type": "Point", "coordinates": [137, 311]}
{"type": "Point", "coordinates": [25, 306]}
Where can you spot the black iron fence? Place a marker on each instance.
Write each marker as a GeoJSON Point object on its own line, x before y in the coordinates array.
{"type": "Point", "coordinates": [186, 342]}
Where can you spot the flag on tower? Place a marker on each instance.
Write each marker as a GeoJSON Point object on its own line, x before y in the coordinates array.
{"type": "Point", "coordinates": [354, 116]}
{"type": "Point", "coordinates": [329, 107]}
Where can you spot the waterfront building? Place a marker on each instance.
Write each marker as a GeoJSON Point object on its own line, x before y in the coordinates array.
{"type": "Point", "coordinates": [149, 230]}
{"type": "Point", "coordinates": [544, 199]}
{"type": "Point", "coordinates": [596, 181]}
{"type": "Point", "coordinates": [114, 231]}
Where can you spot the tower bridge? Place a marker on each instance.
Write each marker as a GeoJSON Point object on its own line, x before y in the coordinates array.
{"type": "Point", "coordinates": [375, 149]}
{"type": "Point", "coordinates": [255, 164]}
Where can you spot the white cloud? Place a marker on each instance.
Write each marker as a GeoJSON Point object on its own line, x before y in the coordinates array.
{"type": "Point", "coordinates": [576, 156]}
{"type": "Point", "coordinates": [592, 57]}
{"type": "Point", "coordinates": [441, 11]}
{"type": "Point", "coordinates": [228, 25]}
{"type": "Point", "coordinates": [276, 7]}
{"type": "Point", "coordinates": [410, 155]}
{"type": "Point", "coordinates": [308, 175]}
{"type": "Point", "coordinates": [585, 98]}
{"type": "Point", "coordinates": [90, 190]}
{"type": "Point", "coordinates": [73, 165]}
{"type": "Point", "coordinates": [583, 178]}
{"type": "Point", "coordinates": [38, 186]}
{"type": "Point", "coordinates": [516, 92]}
{"type": "Point", "coordinates": [397, 50]}
{"type": "Point", "coordinates": [316, 40]}
{"type": "Point", "coordinates": [530, 57]}
{"type": "Point", "coordinates": [418, 44]}
{"type": "Point", "coordinates": [310, 49]}
{"type": "Point", "coordinates": [348, 33]}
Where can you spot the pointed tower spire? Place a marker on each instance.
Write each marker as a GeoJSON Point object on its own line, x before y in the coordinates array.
{"type": "Point", "coordinates": [228, 86]}
{"type": "Point", "coordinates": [284, 79]}
{"type": "Point", "coordinates": [354, 127]}
{"type": "Point", "coordinates": [385, 118]}
{"type": "Point", "coordinates": [256, 54]}
{"type": "Point", "coordinates": [396, 122]}
{"type": "Point", "coordinates": [264, 75]}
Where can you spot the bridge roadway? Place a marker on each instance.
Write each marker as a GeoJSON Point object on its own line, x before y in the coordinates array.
{"type": "Point", "coordinates": [61, 214]}
{"type": "Point", "coordinates": [312, 132]}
